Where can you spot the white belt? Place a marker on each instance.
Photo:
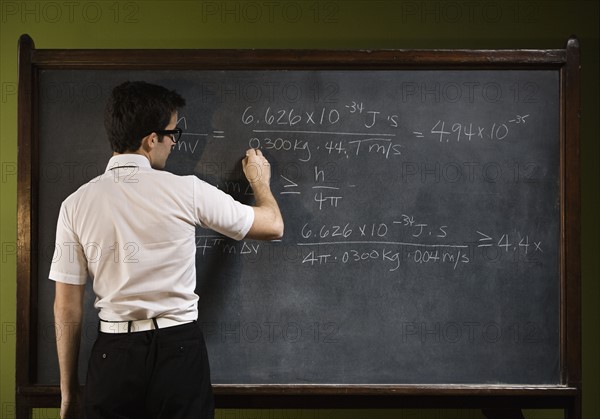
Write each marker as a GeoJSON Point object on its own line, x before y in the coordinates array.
{"type": "Point", "coordinates": [138, 325]}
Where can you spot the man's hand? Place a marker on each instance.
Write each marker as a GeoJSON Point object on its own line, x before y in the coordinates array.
{"type": "Point", "coordinates": [256, 167]}
{"type": "Point", "coordinates": [71, 406]}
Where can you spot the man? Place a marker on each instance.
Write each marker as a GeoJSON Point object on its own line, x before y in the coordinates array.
{"type": "Point", "coordinates": [132, 231]}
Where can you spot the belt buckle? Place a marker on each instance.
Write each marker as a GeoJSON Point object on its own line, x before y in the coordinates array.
{"type": "Point", "coordinates": [139, 325]}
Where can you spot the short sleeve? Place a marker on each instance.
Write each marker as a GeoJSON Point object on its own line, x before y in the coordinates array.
{"type": "Point", "coordinates": [218, 211]}
{"type": "Point", "coordinates": [69, 264]}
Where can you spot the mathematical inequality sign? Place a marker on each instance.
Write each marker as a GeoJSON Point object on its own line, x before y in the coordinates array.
{"type": "Point", "coordinates": [424, 211]}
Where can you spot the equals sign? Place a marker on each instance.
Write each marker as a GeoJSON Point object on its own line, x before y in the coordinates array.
{"type": "Point", "coordinates": [218, 134]}
{"type": "Point", "coordinates": [418, 134]}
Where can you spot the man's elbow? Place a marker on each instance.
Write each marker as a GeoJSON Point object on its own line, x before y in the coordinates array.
{"type": "Point", "coordinates": [266, 232]}
{"type": "Point", "coordinates": [274, 231]}
{"type": "Point", "coordinates": [277, 230]}
{"type": "Point", "coordinates": [68, 300]}
{"type": "Point", "coordinates": [268, 225]}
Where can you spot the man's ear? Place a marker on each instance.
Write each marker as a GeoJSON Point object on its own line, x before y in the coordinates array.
{"type": "Point", "coordinates": [149, 142]}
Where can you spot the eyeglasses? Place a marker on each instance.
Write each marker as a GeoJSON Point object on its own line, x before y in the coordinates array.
{"type": "Point", "coordinates": [175, 134]}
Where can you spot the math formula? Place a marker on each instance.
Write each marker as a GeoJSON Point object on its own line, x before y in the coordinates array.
{"type": "Point", "coordinates": [390, 182]}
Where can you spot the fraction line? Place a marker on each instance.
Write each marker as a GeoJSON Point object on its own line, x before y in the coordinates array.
{"type": "Point", "coordinates": [323, 132]}
{"type": "Point", "coordinates": [457, 246]}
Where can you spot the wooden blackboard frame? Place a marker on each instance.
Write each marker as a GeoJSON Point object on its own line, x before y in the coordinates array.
{"type": "Point", "coordinates": [566, 395]}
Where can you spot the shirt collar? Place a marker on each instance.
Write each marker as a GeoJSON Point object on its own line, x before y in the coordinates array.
{"type": "Point", "coordinates": [128, 159]}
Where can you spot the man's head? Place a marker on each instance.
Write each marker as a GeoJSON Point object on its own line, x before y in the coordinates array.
{"type": "Point", "coordinates": [135, 114]}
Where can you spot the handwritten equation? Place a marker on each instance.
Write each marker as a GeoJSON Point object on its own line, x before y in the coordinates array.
{"type": "Point", "coordinates": [324, 141]}
{"type": "Point", "coordinates": [352, 242]}
{"type": "Point", "coordinates": [308, 133]}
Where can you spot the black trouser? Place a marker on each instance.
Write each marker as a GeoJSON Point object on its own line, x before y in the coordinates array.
{"type": "Point", "coordinates": [160, 373]}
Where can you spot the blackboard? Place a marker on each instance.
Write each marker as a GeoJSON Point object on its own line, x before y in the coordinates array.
{"type": "Point", "coordinates": [424, 211]}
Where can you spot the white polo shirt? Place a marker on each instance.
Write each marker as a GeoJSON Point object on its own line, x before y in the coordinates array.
{"type": "Point", "coordinates": [132, 230]}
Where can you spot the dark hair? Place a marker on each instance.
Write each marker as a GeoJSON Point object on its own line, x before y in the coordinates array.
{"type": "Point", "coordinates": [134, 110]}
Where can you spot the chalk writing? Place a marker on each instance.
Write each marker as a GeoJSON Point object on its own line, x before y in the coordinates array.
{"type": "Point", "coordinates": [356, 130]}
{"type": "Point", "coordinates": [389, 235]}
{"type": "Point", "coordinates": [211, 244]}
{"type": "Point", "coordinates": [457, 131]}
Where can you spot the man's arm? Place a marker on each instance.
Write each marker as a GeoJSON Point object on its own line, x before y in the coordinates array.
{"type": "Point", "coordinates": [68, 315]}
{"type": "Point", "coordinates": [268, 223]}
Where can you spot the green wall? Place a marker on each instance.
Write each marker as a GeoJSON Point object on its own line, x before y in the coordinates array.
{"type": "Point", "coordinates": [349, 24]}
